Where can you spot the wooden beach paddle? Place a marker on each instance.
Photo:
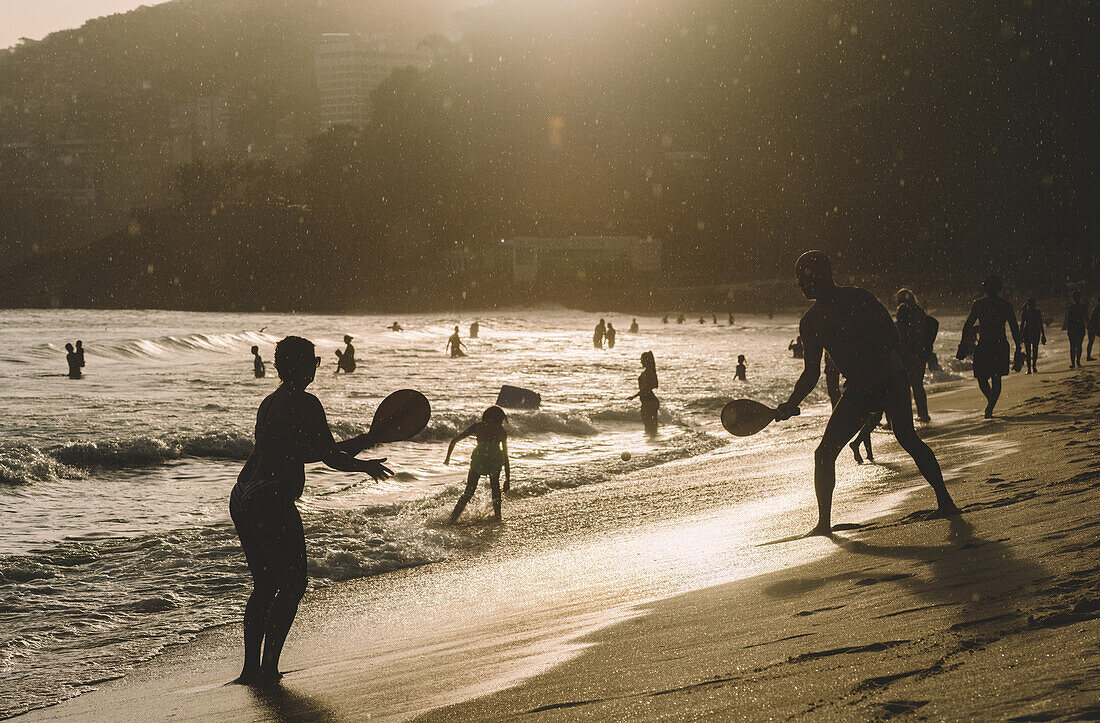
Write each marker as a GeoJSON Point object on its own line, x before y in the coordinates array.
{"type": "Point", "coordinates": [745, 417]}
{"type": "Point", "coordinates": [400, 416]}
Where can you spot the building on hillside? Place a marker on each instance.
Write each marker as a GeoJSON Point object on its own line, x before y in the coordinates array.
{"type": "Point", "coordinates": [348, 68]}
{"type": "Point", "coordinates": [200, 129]}
{"type": "Point", "coordinates": [557, 262]}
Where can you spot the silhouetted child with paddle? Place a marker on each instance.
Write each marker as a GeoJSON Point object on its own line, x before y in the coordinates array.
{"type": "Point", "coordinates": [856, 330]}
{"type": "Point", "coordinates": [490, 455]}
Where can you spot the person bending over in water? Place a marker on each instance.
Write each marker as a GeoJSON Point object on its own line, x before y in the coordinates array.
{"type": "Point", "coordinates": [741, 370]}
{"type": "Point", "coordinates": [991, 357]}
{"type": "Point", "coordinates": [490, 455]}
{"type": "Point", "coordinates": [345, 360]}
{"type": "Point", "coordinates": [73, 360]}
{"type": "Point", "coordinates": [858, 333]}
{"type": "Point", "coordinates": [1075, 324]}
{"type": "Point", "coordinates": [1033, 332]}
{"type": "Point", "coordinates": [291, 429]}
{"type": "Point", "coordinates": [258, 367]}
{"type": "Point", "coordinates": [647, 382]}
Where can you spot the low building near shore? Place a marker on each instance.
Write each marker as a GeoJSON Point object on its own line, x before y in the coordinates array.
{"type": "Point", "coordinates": [585, 260]}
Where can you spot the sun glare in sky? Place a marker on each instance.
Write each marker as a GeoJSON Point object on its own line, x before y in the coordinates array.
{"type": "Point", "coordinates": [37, 18]}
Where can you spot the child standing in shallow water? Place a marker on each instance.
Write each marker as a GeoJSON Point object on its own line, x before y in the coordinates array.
{"type": "Point", "coordinates": [741, 368]}
{"type": "Point", "coordinates": [490, 455]}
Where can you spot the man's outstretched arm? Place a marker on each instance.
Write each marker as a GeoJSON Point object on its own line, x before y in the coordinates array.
{"type": "Point", "coordinates": [811, 372]}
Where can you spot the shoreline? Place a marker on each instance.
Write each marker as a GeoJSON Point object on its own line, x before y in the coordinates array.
{"type": "Point", "coordinates": [572, 649]}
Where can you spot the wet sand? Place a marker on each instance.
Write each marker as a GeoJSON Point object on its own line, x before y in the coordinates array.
{"type": "Point", "coordinates": [991, 615]}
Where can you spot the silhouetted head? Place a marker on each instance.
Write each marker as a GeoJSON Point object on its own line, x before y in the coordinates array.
{"type": "Point", "coordinates": [494, 415]}
{"type": "Point", "coordinates": [68, 347]}
{"type": "Point", "coordinates": [1030, 303]}
{"type": "Point", "coordinates": [648, 361]}
{"type": "Point", "coordinates": [905, 296]}
{"type": "Point", "coordinates": [1076, 296]}
{"type": "Point", "coordinates": [601, 321]}
{"type": "Point", "coordinates": [79, 344]}
{"type": "Point", "coordinates": [295, 360]}
{"type": "Point", "coordinates": [347, 338]}
{"type": "Point", "coordinates": [814, 273]}
{"type": "Point", "coordinates": [992, 285]}
{"type": "Point", "coordinates": [255, 350]}
{"type": "Point", "coordinates": [740, 358]}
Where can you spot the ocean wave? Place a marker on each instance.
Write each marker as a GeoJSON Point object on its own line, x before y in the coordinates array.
{"type": "Point", "coordinates": [168, 346]}
{"type": "Point", "coordinates": [22, 464]}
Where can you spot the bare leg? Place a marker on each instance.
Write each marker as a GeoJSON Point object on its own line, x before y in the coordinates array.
{"type": "Point", "coordinates": [255, 622]}
{"type": "Point", "coordinates": [467, 495]}
{"type": "Point", "coordinates": [494, 488]}
{"type": "Point", "coordinates": [920, 399]}
{"type": "Point", "coordinates": [900, 412]}
{"type": "Point", "coordinates": [995, 394]}
{"type": "Point", "coordinates": [845, 421]}
{"type": "Point", "coordinates": [987, 391]}
{"type": "Point", "coordinates": [279, 620]}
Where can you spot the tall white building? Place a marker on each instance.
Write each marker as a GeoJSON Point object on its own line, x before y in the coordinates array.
{"type": "Point", "coordinates": [348, 68]}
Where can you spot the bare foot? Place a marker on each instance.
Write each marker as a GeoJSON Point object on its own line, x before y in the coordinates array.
{"type": "Point", "coordinates": [247, 677]}
{"type": "Point", "coordinates": [855, 452]}
{"type": "Point", "coordinates": [820, 530]}
{"type": "Point", "coordinates": [267, 679]}
{"type": "Point", "coordinates": [944, 511]}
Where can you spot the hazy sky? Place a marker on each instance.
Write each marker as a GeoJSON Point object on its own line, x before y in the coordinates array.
{"type": "Point", "coordinates": [36, 18]}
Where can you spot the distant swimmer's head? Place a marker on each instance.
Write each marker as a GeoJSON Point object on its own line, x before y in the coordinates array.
{"type": "Point", "coordinates": [494, 415]}
{"type": "Point", "coordinates": [740, 358]}
{"type": "Point", "coordinates": [456, 329]}
{"type": "Point", "coordinates": [648, 361]}
{"type": "Point", "coordinates": [68, 347]}
{"type": "Point", "coordinates": [905, 296]}
{"type": "Point", "coordinates": [814, 272]}
{"type": "Point", "coordinates": [992, 285]}
{"type": "Point", "coordinates": [347, 338]}
{"type": "Point", "coordinates": [255, 350]}
{"type": "Point", "coordinates": [79, 343]}
{"type": "Point", "coordinates": [296, 360]}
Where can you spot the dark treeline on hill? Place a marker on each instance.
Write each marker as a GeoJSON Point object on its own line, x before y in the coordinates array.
{"type": "Point", "coordinates": [917, 142]}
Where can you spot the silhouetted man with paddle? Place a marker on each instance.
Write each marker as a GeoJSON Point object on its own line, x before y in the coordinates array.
{"type": "Point", "coordinates": [857, 331]}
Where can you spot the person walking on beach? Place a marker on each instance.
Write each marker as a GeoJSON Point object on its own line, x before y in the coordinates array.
{"type": "Point", "coordinates": [741, 370]}
{"type": "Point", "coordinates": [291, 429]}
{"type": "Point", "coordinates": [73, 360]}
{"type": "Point", "coordinates": [345, 360]}
{"type": "Point", "coordinates": [1075, 325]}
{"type": "Point", "coordinates": [1094, 328]}
{"type": "Point", "coordinates": [598, 334]}
{"type": "Point", "coordinates": [647, 382]}
{"type": "Point", "coordinates": [258, 364]}
{"type": "Point", "coordinates": [609, 334]}
{"type": "Point", "coordinates": [455, 345]}
{"type": "Point", "coordinates": [917, 332]}
{"type": "Point", "coordinates": [856, 330]}
{"type": "Point", "coordinates": [991, 358]}
{"type": "Point", "coordinates": [1033, 332]}
{"type": "Point", "coordinates": [489, 456]}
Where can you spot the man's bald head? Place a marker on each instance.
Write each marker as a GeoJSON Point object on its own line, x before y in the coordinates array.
{"type": "Point", "coordinates": [814, 273]}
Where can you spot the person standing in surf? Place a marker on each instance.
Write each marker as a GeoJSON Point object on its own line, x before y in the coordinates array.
{"type": "Point", "coordinates": [291, 429]}
{"type": "Point", "coordinates": [490, 455]}
{"type": "Point", "coordinates": [647, 382]}
{"type": "Point", "coordinates": [991, 358]}
{"type": "Point", "coordinates": [345, 360]}
{"type": "Point", "coordinates": [856, 330]}
{"type": "Point", "coordinates": [1033, 332]}
{"type": "Point", "coordinates": [454, 345]}
{"type": "Point", "coordinates": [740, 372]}
{"type": "Point", "coordinates": [917, 331]}
{"type": "Point", "coordinates": [610, 334]}
{"type": "Point", "coordinates": [258, 367]}
{"type": "Point", "coordinates": [598, 334]}
{"type": "Point", "coordinates": [73, 360]}
{"type": "Point", "coordinates": [1075, 324]}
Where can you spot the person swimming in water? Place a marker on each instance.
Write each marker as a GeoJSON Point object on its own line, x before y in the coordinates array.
{"type": "Point", "coordinates": [609, 334]}
{"type": "Point", "coordinates": [741, 370]}
{"type": "Point", "coordinates": [455, 345]}
{"type": "Point", "coordinates": [489, 456]}
{"type": "Point", "coordinates": [73, 360]}
{"type": "Point", "coordinates": [598, 334]}
{"type": "Point", "coordinates": [647, 382]}
{"type": "Point", "coordinates": [291, 429]}
{"type": "Point", "coordinates": [345, 360]}
{"type": "Point", "coordinates": [634, 326]}
{"type": "Point", "coordinates": [1033, 332]}
{"type": "Point", "coordinates": [991, 358]}
{"type": "Point", "coordinates": [858, 333]}
{"type": "Point", "coordinates": [475, 329]}
{"type": "Point", "coordinates": [257, 363]}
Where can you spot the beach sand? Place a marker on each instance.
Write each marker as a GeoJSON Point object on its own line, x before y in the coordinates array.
{"type": "Point", "coordinates": [991, 615]}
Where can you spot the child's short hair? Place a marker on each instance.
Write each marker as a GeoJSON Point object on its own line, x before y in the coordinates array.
{"type": "Point", "coordinates": [494, 415]}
